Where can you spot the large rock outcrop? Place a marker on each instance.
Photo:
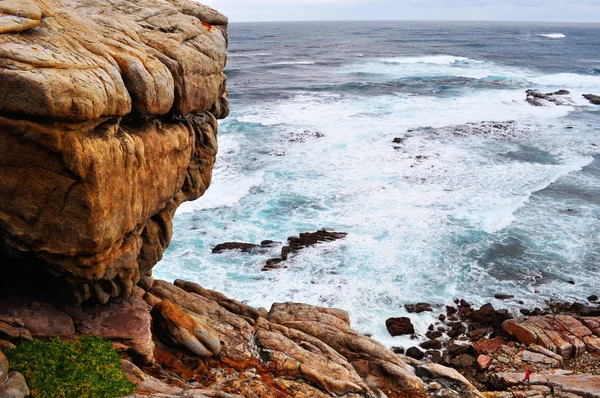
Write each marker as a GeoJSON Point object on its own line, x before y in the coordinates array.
{"type": "Point", "coordinates": [108, 114]}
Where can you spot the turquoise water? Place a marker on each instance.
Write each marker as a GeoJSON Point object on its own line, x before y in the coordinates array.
{"type": "Point", "coordinates": [486, 194]}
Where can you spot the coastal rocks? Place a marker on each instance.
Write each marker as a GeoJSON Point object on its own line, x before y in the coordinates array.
{"type": "Point", "coordinates": [3, 368]}
{"type": "Point", "coordinates": [177, 328]}
{"type": "Point", "coordinates": [125, 322]}
{"type": "Point", "coordinates": [12, 329]}
{"type": "Point", "coordinates": [399, 326]}
{"type": "Point", "coordinates": [418, 308]}
{"type": "Point", "coordinates": [561, 334]}
{"type": "Point", "coordinates": [303, 241]}
{"type": "Point", "coordinates": [594, 99]}
{"type": "Point", "coordinates": [14, 387]}
{"type": "Point", "coordinates": [40, 318]}
{"type": "Point", "coordinates": [537, 98]}
{"type": "Point", "coordinates": [108, 116]}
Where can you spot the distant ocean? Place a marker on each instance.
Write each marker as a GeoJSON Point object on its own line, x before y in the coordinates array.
{"type": "Point", "coordinates": [483, 194]}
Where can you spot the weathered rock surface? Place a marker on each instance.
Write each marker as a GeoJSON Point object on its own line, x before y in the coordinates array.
{"type": "Point", "coordinates": [108, 115]}
{"type": "Point", "coordinates": [40, 318]}
{"type": "Point", "coordinates": [399, 326]}
{"type": "Point", "coordinates": [295, 350]}
{"type": "Point", "coordinates": [3, 368]}
{"type": "Point", "coordinates": [14, 387]}
{"type": "Point", "coordinates": [537, 98]}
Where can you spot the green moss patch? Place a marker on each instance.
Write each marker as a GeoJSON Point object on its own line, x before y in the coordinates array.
{"type": "Point", "coordinates": [87, 368]}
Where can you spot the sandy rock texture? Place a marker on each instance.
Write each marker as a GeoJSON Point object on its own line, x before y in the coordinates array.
{"type": "Point", "coordinates": [108, 122]}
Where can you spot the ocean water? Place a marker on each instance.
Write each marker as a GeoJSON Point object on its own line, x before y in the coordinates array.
{"type": "Point", "coordinates": [485, 194]}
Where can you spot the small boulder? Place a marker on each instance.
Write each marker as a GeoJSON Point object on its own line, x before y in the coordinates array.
{"type": "Point", "coordinates": [415, 353]}
{"type": "Point", "coordinates": [435, 334]}
{"type": "Point", "coordinates": [431, 345]}
{"type": "Point", "coordinates": [484, 362]}
{"type": "Point", "coordinates": [464, 361]}
{"type": "Point", "coordinates": [593, 298]}
{"type": "Point", "coordinates": [177, 328]}
{"type": "Point", "coordinates": [399, 326]}
{"type": "Point", "coordinates": [450, 310]}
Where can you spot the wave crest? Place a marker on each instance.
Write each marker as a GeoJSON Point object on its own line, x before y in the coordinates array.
{"type": "Point", "coordinates": [553, 35]}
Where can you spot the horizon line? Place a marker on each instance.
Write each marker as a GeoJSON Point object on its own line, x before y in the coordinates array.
{"type": "Point", "coordinates": [416, 20]}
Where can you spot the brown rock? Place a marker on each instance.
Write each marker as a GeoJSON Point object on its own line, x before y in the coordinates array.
{"type": "Point", "coordinates": [241, 246]}
{"type": "Point", "coordinates": [13, 329]}
{"type": "Point", "coordinates": [592, 344]}
{"type": "Point", "coordinates": [484, 362]}
{"type": "Point", "coordinates": [434, 334]}
{"type": "Point", "coordinates": [108, 124]}
{"type": "Point", "coordinates": [180, 329]}
{"type": "Point", "coordinates": [431, 345]}
{"type": "Point", "coordinates": [125, 322]}
{"type": "Point", "coordinates": [415, 353]}
{"type": "Point", "coordinates": [399, 326]}
{"type": "Point", "coordinates": [146, 383]}
{"type": "Point", "coordinates": [3, 368]}
{"type": "Point", "coordinates": [464, 361]}
{"type": "Point", "coordinates": [583, 385]}
{"type": "Point", "coordinates": [594, 99]}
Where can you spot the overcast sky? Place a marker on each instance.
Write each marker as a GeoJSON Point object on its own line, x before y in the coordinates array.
{"type": "Point", "coordinates": [495, 10]}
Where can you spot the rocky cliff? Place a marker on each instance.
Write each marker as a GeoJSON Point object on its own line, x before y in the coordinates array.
{"type": "Point", "coordinates": [108, 114]}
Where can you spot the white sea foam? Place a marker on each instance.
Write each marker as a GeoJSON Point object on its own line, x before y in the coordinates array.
{"type": "Point", "coordinates": [295, 63]}
{"type": "Point", "coordinates": [553, 35]}
{"type": "Point", "coordinates": [405, 209]}
{"type": "Point", "coordinates": [432, 59]}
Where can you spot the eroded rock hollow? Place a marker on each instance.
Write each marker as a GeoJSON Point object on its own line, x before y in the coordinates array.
{"type": "Point", "coordinates": [108, 122]}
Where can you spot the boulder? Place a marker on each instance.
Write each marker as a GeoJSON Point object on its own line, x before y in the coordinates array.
{"type": "Point", "coordinates": [126, 322]}
{"type": "Point", "coordinates": [399, 326]}
{"type": "Point", "coordinates": [176, 327]}
{"type": "Point", "coordinates": [13, 329]}
{"type": "Point", "coordinates": [415, 353]}
{"type": "Point", "coordinates": [145, 383]}
{"type": "Point", "coordinates": [41, 318]}
{"type": "Point", "coordinates": [14, 387]}
{"type": "Point", "coordinates": [108, 122]}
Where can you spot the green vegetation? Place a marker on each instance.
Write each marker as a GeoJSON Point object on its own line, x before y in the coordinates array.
{"type": "Point", "coordinates": [87, 368]}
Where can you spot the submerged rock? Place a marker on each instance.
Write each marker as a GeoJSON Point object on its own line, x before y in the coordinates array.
{"type": "Point", "coordinates": [243, 247]}
{"type": "Point", "coordinates": [537, 98]}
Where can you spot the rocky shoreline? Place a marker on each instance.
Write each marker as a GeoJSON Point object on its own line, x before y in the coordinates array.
{"type": "Point", "coordinates": [181, 340]}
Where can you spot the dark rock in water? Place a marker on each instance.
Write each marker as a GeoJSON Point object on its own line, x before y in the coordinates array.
{"type": "Point", "coordinates": [241, 246]}
{"type": "Point", "coordinates": [399, 326]}
{"type": "Point", "coordinates": [594, 99]}
{"type": "Point", "coordinates": [431, 327]}
{"type": "Point", "coordinates": [431, 345]}
{"type": "Point", "coordinates": [418, 308]}
{"type": "Point", "coordinates": [450, 310]}
{"type": "Point", "coordinates": [268, 243]}
{"type": "Point", "coordinates": [571, 282]}
{"type": "Point", "coordinates": [455, 349]}
{"type": "Point", "coordinates": [477, 334]}
{"type": "Point", "coordinates": [593, 298]}
{"type": "Point", "coordinates": [435, 356]}
{"type": "Point", "coordinates": [415, 353]}
{"type": "Point", "coordinates": [525, 312]}
{"type": "Point", "coordinates": [433, 334]}
{"type": "Point", "coordinates": [504, 296]}
{"type": "Point", "coordinates": [398, 140]}
{"type": "Point", "coordinates": [463, 303]}
{"type": "Point", "coordinates": [442, 317]}
{"type": "Point", "coordinates": [536, 98]}
{"type": "Point", "coordinates": [297, 243]}
{"type": "Point", "coordinates": [485, 314]}
{"type": "Point", "coordinates": [398, 350]}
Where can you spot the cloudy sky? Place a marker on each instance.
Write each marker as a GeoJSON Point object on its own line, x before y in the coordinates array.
{"type": "Point", "coordinates": [496, 10]}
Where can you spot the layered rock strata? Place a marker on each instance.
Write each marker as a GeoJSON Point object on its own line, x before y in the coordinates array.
{"type": "Point", "coordinates": [108, 114]}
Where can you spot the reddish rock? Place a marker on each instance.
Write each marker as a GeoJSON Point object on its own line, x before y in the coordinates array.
{"type": "Point", "coordinates": [42, 319]}
{"type": "Point", "coordinates": [126, 322]}
{"type": "Point", "coordinates": [484, 362]}
{"type": "Point", "coordinates": [431, 345]}
{"type": "Point", "coordinates": [415, 353]}
{"type": "Point", "coordinates": [488, 346]}
{"type": "Point", "coordinates": [484, 315]}
{"type": "Point", "coordinates": [450, 310]}
{"type": "Point", "coordinates": [399, 326]}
